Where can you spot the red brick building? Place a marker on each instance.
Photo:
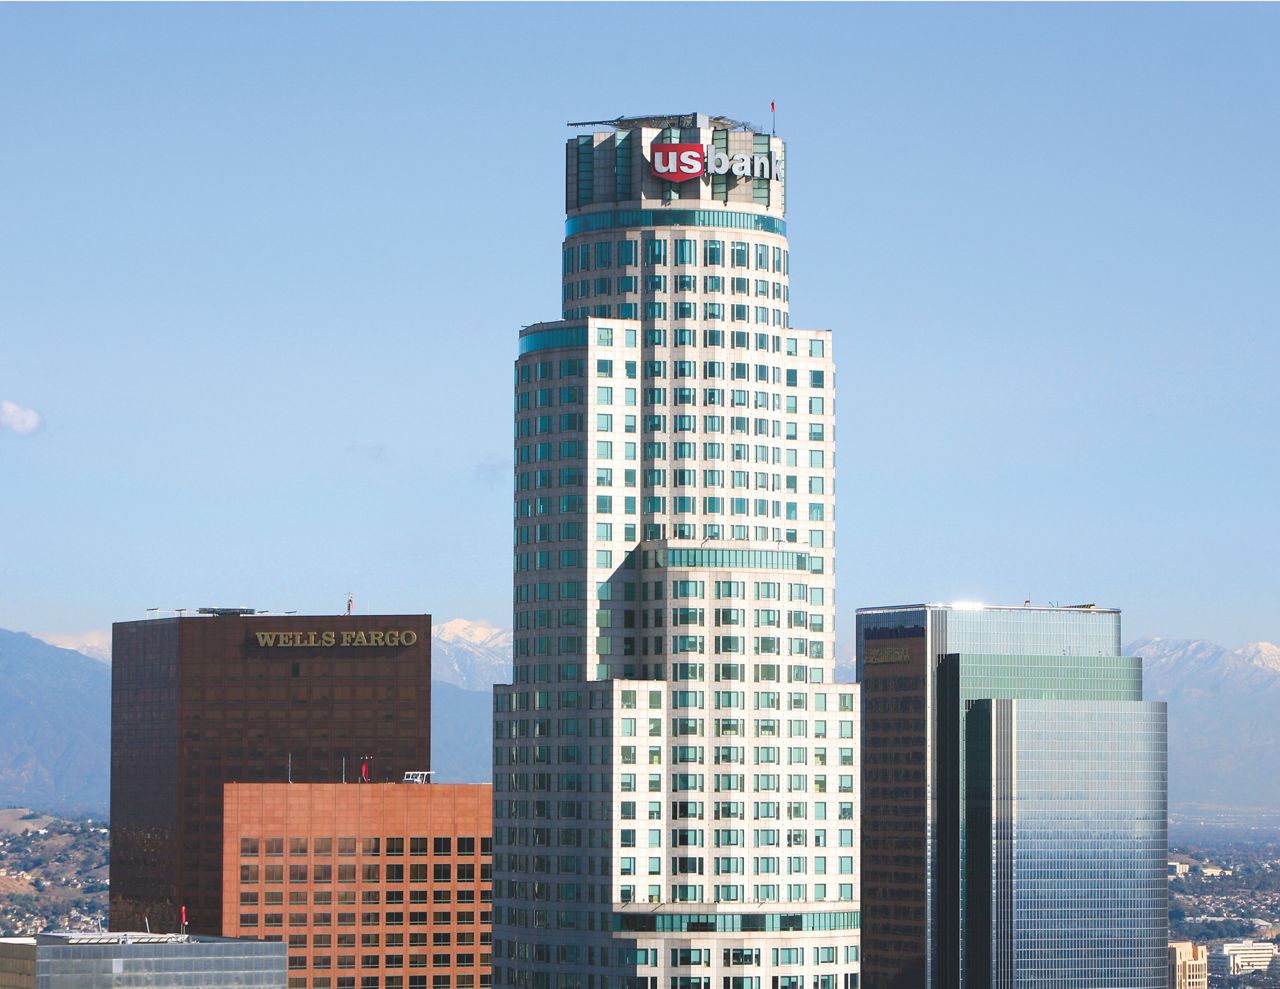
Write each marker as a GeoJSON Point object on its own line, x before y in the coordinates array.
{"type": "Point", "coordinates": [378, 886]}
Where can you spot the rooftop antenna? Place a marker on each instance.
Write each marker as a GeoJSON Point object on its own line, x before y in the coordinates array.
{"type": "Point", "coordinates": [289, 770]}
{"type": "Point", "coordinates": [151, 610]}
{"type": "Point", "coordinates": [351, 602]}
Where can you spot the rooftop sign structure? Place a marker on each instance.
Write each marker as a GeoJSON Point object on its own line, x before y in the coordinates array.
{"type": "Point", "coordinates": [670, 120]}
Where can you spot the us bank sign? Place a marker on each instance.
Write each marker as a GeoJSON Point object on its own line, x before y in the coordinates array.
{"type": "Point", "coordinates": [681, 162]}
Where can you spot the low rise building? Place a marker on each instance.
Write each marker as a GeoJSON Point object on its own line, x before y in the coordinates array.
{"type": "Point", "coordinates": [371, 886]}
{"type": "Point", "coordinates": [139, 961]}
{"type": "Point", "coordinates": [1188, 965]}
{"type": "Point", "coordinates": [1241, 958]}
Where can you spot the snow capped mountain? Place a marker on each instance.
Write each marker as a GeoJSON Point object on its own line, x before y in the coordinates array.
{"type": "Point", "coordinates": [1263, 654]}
{"type": "Point", "coordinates": [1224, 738]}
{"type": "Point", "coordinates": [471, 655]}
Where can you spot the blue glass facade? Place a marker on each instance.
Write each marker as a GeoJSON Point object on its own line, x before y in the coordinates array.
{"type": "Point", "coordinates": [144, 961]}
{"type": "Point", "coordinates": [1071, 799]}
{"type": "Point", "coordinates": [934, 852]}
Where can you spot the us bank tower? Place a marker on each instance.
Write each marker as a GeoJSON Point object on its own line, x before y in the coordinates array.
{"type": "Point", "coordinates": [675, 769]}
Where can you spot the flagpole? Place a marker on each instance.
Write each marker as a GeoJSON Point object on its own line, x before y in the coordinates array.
{"type": "Point", "coordinates": [773, 112]}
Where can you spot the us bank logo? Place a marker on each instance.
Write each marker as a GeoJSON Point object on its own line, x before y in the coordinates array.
{"type": "Point", "coordinates": [682, 162]}
{"type": "Point", "coordinates": [678, 162]}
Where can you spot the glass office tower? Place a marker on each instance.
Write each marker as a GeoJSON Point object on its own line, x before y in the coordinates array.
{"type": "Point", "coordinates": [1014, 812]}
{"type": "Point", "coordinates": [675, 771]}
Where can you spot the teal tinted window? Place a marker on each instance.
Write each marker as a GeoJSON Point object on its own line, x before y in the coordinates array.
{"type": "Point", "coordinates": [561, 336]}
{"type": "Point", "coordinates": [655, 250]}
{"type": "Point", "coordinates": [622, 218]}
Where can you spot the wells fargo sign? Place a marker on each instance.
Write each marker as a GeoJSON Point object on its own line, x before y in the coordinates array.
{"type": "Point", "coordinates": [325, 640]}
{"type": "Point", "coordinates": [877, 654]}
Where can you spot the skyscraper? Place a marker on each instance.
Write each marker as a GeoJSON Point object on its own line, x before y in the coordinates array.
{"type": "Point", "coordinates": [1014, 817]}
{"type": "Point", "coordinates": [675, 771]}
{"type": "Point", "coordinates": [199, 701]}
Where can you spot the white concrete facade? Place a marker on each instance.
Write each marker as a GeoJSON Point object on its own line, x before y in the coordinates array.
{"type": "Point", "coordinates": [1188, 965]}
{"type": "Point", "coordinates": [675, 770]}
{"type": "Point", "coordinates": [1241, 957]}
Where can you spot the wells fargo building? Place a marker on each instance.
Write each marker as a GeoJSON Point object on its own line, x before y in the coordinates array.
{"type": "Point", "coordinates": [230, 697]}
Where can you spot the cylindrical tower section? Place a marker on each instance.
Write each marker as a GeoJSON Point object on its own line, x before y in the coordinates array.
{"type": "Point", "coordinates": [674, 766]}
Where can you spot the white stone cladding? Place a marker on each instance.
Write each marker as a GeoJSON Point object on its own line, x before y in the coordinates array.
{"type": "Point", "coordinates": [675, 770]}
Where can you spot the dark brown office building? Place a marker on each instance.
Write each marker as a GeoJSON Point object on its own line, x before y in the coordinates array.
{"type": "Point", "coordinates": [233, 697]}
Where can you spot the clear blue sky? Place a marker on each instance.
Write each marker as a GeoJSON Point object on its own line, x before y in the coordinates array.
{"type": "Point", "coordinates": [254, 259]}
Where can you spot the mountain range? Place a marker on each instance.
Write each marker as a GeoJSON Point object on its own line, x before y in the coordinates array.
{"type": "Point", "coordinates": [1224, 738]}
{"type": "Point", "coordinates": [55, 727]}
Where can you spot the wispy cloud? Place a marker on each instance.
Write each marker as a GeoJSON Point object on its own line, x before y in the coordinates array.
{"type": "Point", "coordinates": [374, 453]}
{"type": "Point", "coordinates": [492, 471]}
{"type": "Point", "coordinates": [18, 417]}
{"type": "Point", "coordinates": [95, 643]}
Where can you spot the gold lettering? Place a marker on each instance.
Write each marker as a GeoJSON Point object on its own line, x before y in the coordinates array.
{"type": "Point", "coordinates": [391, 637]}
{"type": "Point", "coordinates": [876, 655]}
